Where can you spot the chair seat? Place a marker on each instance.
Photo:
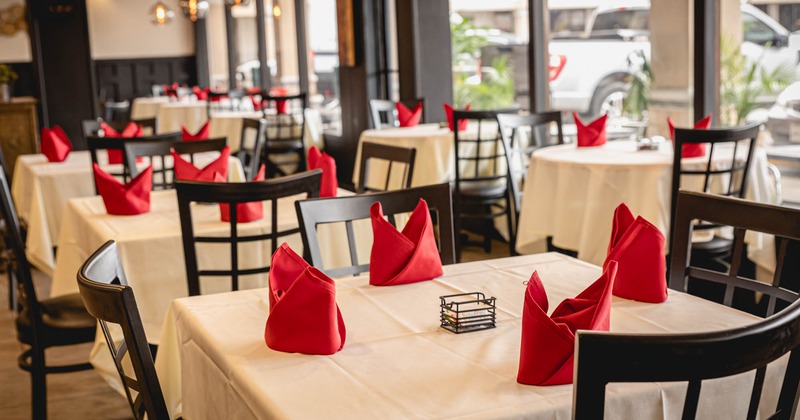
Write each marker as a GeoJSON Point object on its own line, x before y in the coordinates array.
{"type": "Point", "coordinates": [483, 191]}
{"type": "Point", "coordinates": [284, 146]}
{"type": "Point", "coordinates": [715, 247]}
{"type": "Point", "coordinates": [65, 322]}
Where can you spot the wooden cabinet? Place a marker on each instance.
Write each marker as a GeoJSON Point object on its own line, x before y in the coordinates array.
{"type": "Point", "coordinates": [19, 130]}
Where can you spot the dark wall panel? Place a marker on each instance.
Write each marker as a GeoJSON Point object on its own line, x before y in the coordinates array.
{"type": "Point", "coordinates": [25, 85]}
{"type": "Point", "coordinates": [130, 78]}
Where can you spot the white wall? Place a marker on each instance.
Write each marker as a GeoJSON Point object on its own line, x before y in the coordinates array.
{"type": "Point", "coordinates": [16, 48]}
{"type": "Point", "coordinates": [123, 29]}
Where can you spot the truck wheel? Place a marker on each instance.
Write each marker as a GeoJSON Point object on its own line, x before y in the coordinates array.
{"type": "Point", "coordinates": [608, 99]}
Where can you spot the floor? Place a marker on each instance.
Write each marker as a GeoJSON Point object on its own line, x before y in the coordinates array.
{"type": "Point", "coordinates": [84, 395]}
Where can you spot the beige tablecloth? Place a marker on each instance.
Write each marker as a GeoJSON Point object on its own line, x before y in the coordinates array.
{"type": "Point", "coordinates": [41, 190]}
{"type": "Point", "coordinates": [398, 363]}
{"type": "Point", "coordinates": [147, 107]}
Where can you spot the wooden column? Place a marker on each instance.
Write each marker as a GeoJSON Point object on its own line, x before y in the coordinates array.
{"type": "Point", "coordinates": [538, 57]}
{"type": "Point", "coordinates": [302, 47]}
{"type": "Point", "coordinates": [230, 37]}
{"type": "Point", "coordinates": [201, 52]}
{"type": "Point", "coordinates": [706, 58]}
{"type": "Point", "coordinates": [261, 33]}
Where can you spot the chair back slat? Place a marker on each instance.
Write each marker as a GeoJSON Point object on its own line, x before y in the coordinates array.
{"type": "Point", "coordinates": [284, 134]}
{"type": "Point", "coordinates": [158, 150]}
{"type": "Point", "coordinates": [250, 151]}
{"type": "Point", "coordinates": [393, 154]}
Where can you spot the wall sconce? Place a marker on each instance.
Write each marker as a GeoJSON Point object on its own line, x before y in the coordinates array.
{"type": "Point", "coordinates": [161, 14]}
{"type": "Point", "coordinates": [276, 10]}
{"type": "Point", "coordinates": [194, 9]}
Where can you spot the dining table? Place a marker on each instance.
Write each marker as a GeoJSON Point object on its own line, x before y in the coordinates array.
{"type": "Point", "coordinates": [397, 362]}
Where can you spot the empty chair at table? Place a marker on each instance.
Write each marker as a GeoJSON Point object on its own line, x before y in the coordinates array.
{"type": "Point", "coordinates": [251, 144]}
{"type": "Point", "coordinates": [314, 213]}
{"type": "Point", "coordinates": [189, 192]}
{"type": "Point", "coordinates": [603, 358]}
{"type": "Point", "coordinates": [41, 324]}
{"type": "Point", "coordinates": [107, 296]}
{"type": "Point", "coordinates": [91, 128]}
{"type": "Point", "coordinates": [399, 159]}
{"type": "Point", "coordinates": [284, 145]}
{"type": "Point", "coordinates": [159, 151]}
{"type": "Point", "coordinates": [95, 144]}
{"type": "Point", "coordinates": [384, 112]}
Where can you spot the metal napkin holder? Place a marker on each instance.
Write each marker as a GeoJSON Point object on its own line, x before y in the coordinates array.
{"type": "Point", "coordinates": [468, 312]}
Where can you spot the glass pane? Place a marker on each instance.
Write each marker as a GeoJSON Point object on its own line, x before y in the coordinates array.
{"type": "Point", "coordinates": [323, 62]}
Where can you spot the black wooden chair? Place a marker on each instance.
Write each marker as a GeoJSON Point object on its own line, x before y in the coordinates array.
{"type": "Point", "coordinates": [403, 156]}
{"type": "Point", "coordinates": [313, 213]}
{"type": "Point", "coordinates": [250, 145]}
{"type": "Point", "coordinates": [95, 144]}
{"type": "Point", "coordinates": [285, 134]}
{"type": "Point", "coordinates": [91, 127]}
{"type": "Point", "coordinates": [483, 188]}
{"type": "Point", "coordinates": [157, 151]}
{"type": "Point", "coordinates": [42, 324]}
{"type": "Point", "coordinates": [107, 296]}
{"type": "Point", "coordinates": [6, 254]}
{"type": "Point", "coordinates": [602, 358]}
{"type": "Point", "coordinates": [740, 143]}
{"type": "Point", "coordinates": [232, 193]}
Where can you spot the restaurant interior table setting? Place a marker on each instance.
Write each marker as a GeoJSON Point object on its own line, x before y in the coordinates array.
{"type": "Point", "coordinates": [257, 209]}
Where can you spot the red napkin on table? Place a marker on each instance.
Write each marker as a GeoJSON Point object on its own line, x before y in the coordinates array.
{"type": "Point", "coordinates": [125, 199]}
{"type": "Point", "coordinates": [403, 257]}
{"type": "Point", "coordinates": [55, 144]}
{"type": "Point", "coordinates": [280, 105]}
{"type": "Point", "coordinates": [448, 112]}
{"type": "Point", "coordinates": [303, 314]}
{"type": "Point", "coordinates": [329, 184]}
{"type": "Point", "coordinates": [131, 130]}
{"type": "Point", "coordinates": [256, 103]}
{"type": "Point", "coordinates": [245, 212]}
{"type": "Point", "coordinates": [185, 171]}
{"type": "Point", "coordinates": [548, 343]}
{"type": "Point", "coordinates": [638, 248]}
{"type": "Point", "coordinates": [171, 90]}
{"type": "Point", "coordinates": [592, 134]}
{"type": "Point", "coordinates": [693, 149]}
{"type": "Point", "coordinates": [201, 94]}
{"type": "Point", "coordinates": [201, 134]}
{"type": "Point", "coordinates": [408, 117]}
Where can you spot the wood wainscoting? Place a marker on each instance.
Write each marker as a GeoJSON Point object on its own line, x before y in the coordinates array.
{"type": "Point", "coordinates": [126, 79]}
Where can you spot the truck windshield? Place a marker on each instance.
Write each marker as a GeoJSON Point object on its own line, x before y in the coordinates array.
{"type": "Point", "coordinates": [621, 19]}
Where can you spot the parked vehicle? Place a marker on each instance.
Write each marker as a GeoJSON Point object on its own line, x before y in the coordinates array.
{"type": "Point", "coordinates": [783, 119]}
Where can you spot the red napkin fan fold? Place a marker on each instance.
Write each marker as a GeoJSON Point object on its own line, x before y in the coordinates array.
{"type": "Point", "coordinates": [55, 144]}
{"type": "Point", "coordinates": [131, 130]}
{"type": "Point", "coordinates": [638, 248]}
{"type": "Point", "coordinates": [201, 94]}
{"type": "Point", "coordinates": [408, 117]}
{"type": "Point", "coordinates": [245, 212]}
{"type": "Point", "coordinates": [403, 257]}
{"type": "Point", "coordinates": [303, 314]}
{"type": "Point", "coordinates": [448, 112]}
{"type": "Point", "coordinates": [125, 199]}
{"type": "Point", "coordinates": [185, 171]}
{"type": "Point", "coordinates": [592, 134]}
{"type": "Point", "coordinates": [201, 134]}
{"type": "Point", "coordinates": [329, 184]}
{"type": "Point", "coordinates": [692, 149]}
{"type": "Point", "coordinates": [548, 343]}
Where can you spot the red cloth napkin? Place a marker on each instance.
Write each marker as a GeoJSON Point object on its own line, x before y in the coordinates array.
{"type": "Point", "coordinates": [403, 257]}
{"type": "Point", "coordinates": [201, 94]}
{"type": "Point", "coordinates": [548, 343]}
{"type": "Point", "coordinates": [245, 212]}
{"type": "Point", "coordinates": [638, 246]}
{"type": "Point", "coordinates": [185, 171]}
{"type": "Point", "coordinates": [55, 144]}
{"type": "Point", "coordinates": [693, 149]}
{"type": "Point", "coordinates": [303, 314]}
{"type": "Point", "coordinates": [201, 134]}
{"type": "Point", "coordinates": [256, 103]}
{"type": "Point", "coordinates": [125, 199]}
{"type": "Point", "coordinates": [280, 105]}
{"type": "Point", "coordinates": [131, 130]}
{"type": "Point", "coordinates": [593, 134]}
{"type": "Point", "coordinates": [448, 112]}
{"type": "Point", "coordinates": [329, 184]}
{"type": "Point", "coordinates": [407, 117]}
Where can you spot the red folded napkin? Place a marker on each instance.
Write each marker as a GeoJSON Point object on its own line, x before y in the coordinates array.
{"type": "Point", "coordinates": [125, 199]}
{"type": "Point", "coordinates": [407, 117]}
{"type": "Point", "coordinates": [448, 112]}
{"type": "Point", "coordinates": [131, 130]}
{"type": "Point", "coordinates": [201, 94]}
{"type": "Point", "coordinates": [303, 314]}
{"type": "Point", "coordinates": [201, 134]}
{"type": "Point", "coordinates": [280, 105]}
{"type": "Point", "coordinates": [593, 134]}
{"type": "Point", "coordinates": [245, 212]}
{"type": "Point", "coordinates": [548, 343]}
{"type": "Point", "coordinates": [55, 144]}
{"type": "Point", "coordinates": [256, 103]}
{"type": "Point", "coordinates": [692, 149]}
{"type": "Point", "coordinates": [324, 161]}
{"type": "Point", "coordinates": [638, 247]}
{"type": "Point", "coordinates": [185, 171]}
{"type": "Point", "coordinates": [403, 257]}
{"type": "Point", "coordinates": [171, 90]}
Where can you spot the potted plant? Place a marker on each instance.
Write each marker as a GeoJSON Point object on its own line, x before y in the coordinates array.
{"type": "Point", "coordinates": [7, 76]}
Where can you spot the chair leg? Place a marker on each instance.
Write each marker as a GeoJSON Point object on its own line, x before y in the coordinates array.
{"type": "Point", "coordinates": [512, 233]}
{"type": "Point", "coordinates": [12, 287]}
{"type": "Point", "coordinates": [38, 386]}
{"type": "Point", "coordinates": [457, 232]}
{"type": "Point", "coordinates": [301, 160]}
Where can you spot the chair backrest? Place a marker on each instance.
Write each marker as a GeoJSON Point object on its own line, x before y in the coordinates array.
{"type": "Point", "coordinates": [107, 297]}
{"type": "Point", "coordinates": [91, 127]}
{"type": "Point", "coordinates": [312, 213]}
{"type": "Point", "coordinates": [392, 154]}
{"type": "Point", "coordinates": [232, 193]}
{"type": "Point", "coordinates": [384, 113]}
{"type": "Point", "coordinates": [94, 144]}
{"type": "Point", "coordinates": [148, 125]}
{"type": "Point", "coordinates": [116, 111]}
{"type": "Point", "coordinates": [158, 150]}
{"type": "Point", "coordinates": [285, 128]}
{"type": "Point", "coordinates": [478, 152]}
{"type": "Point", "coordinates": [250, 145]}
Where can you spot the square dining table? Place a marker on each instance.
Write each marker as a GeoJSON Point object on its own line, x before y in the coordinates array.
{"type": "Point", "coordinates": [398, 363]}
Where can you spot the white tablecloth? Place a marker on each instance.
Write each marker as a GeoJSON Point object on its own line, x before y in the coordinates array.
{"type": "Point", "coordinates": [41, 190]}
{"type": "Point", "coordinates": [570, 193]}
{"type": "Point", "coordinates": [147, 107]}
{"type": "Point", "coordinates": [398, 363]}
